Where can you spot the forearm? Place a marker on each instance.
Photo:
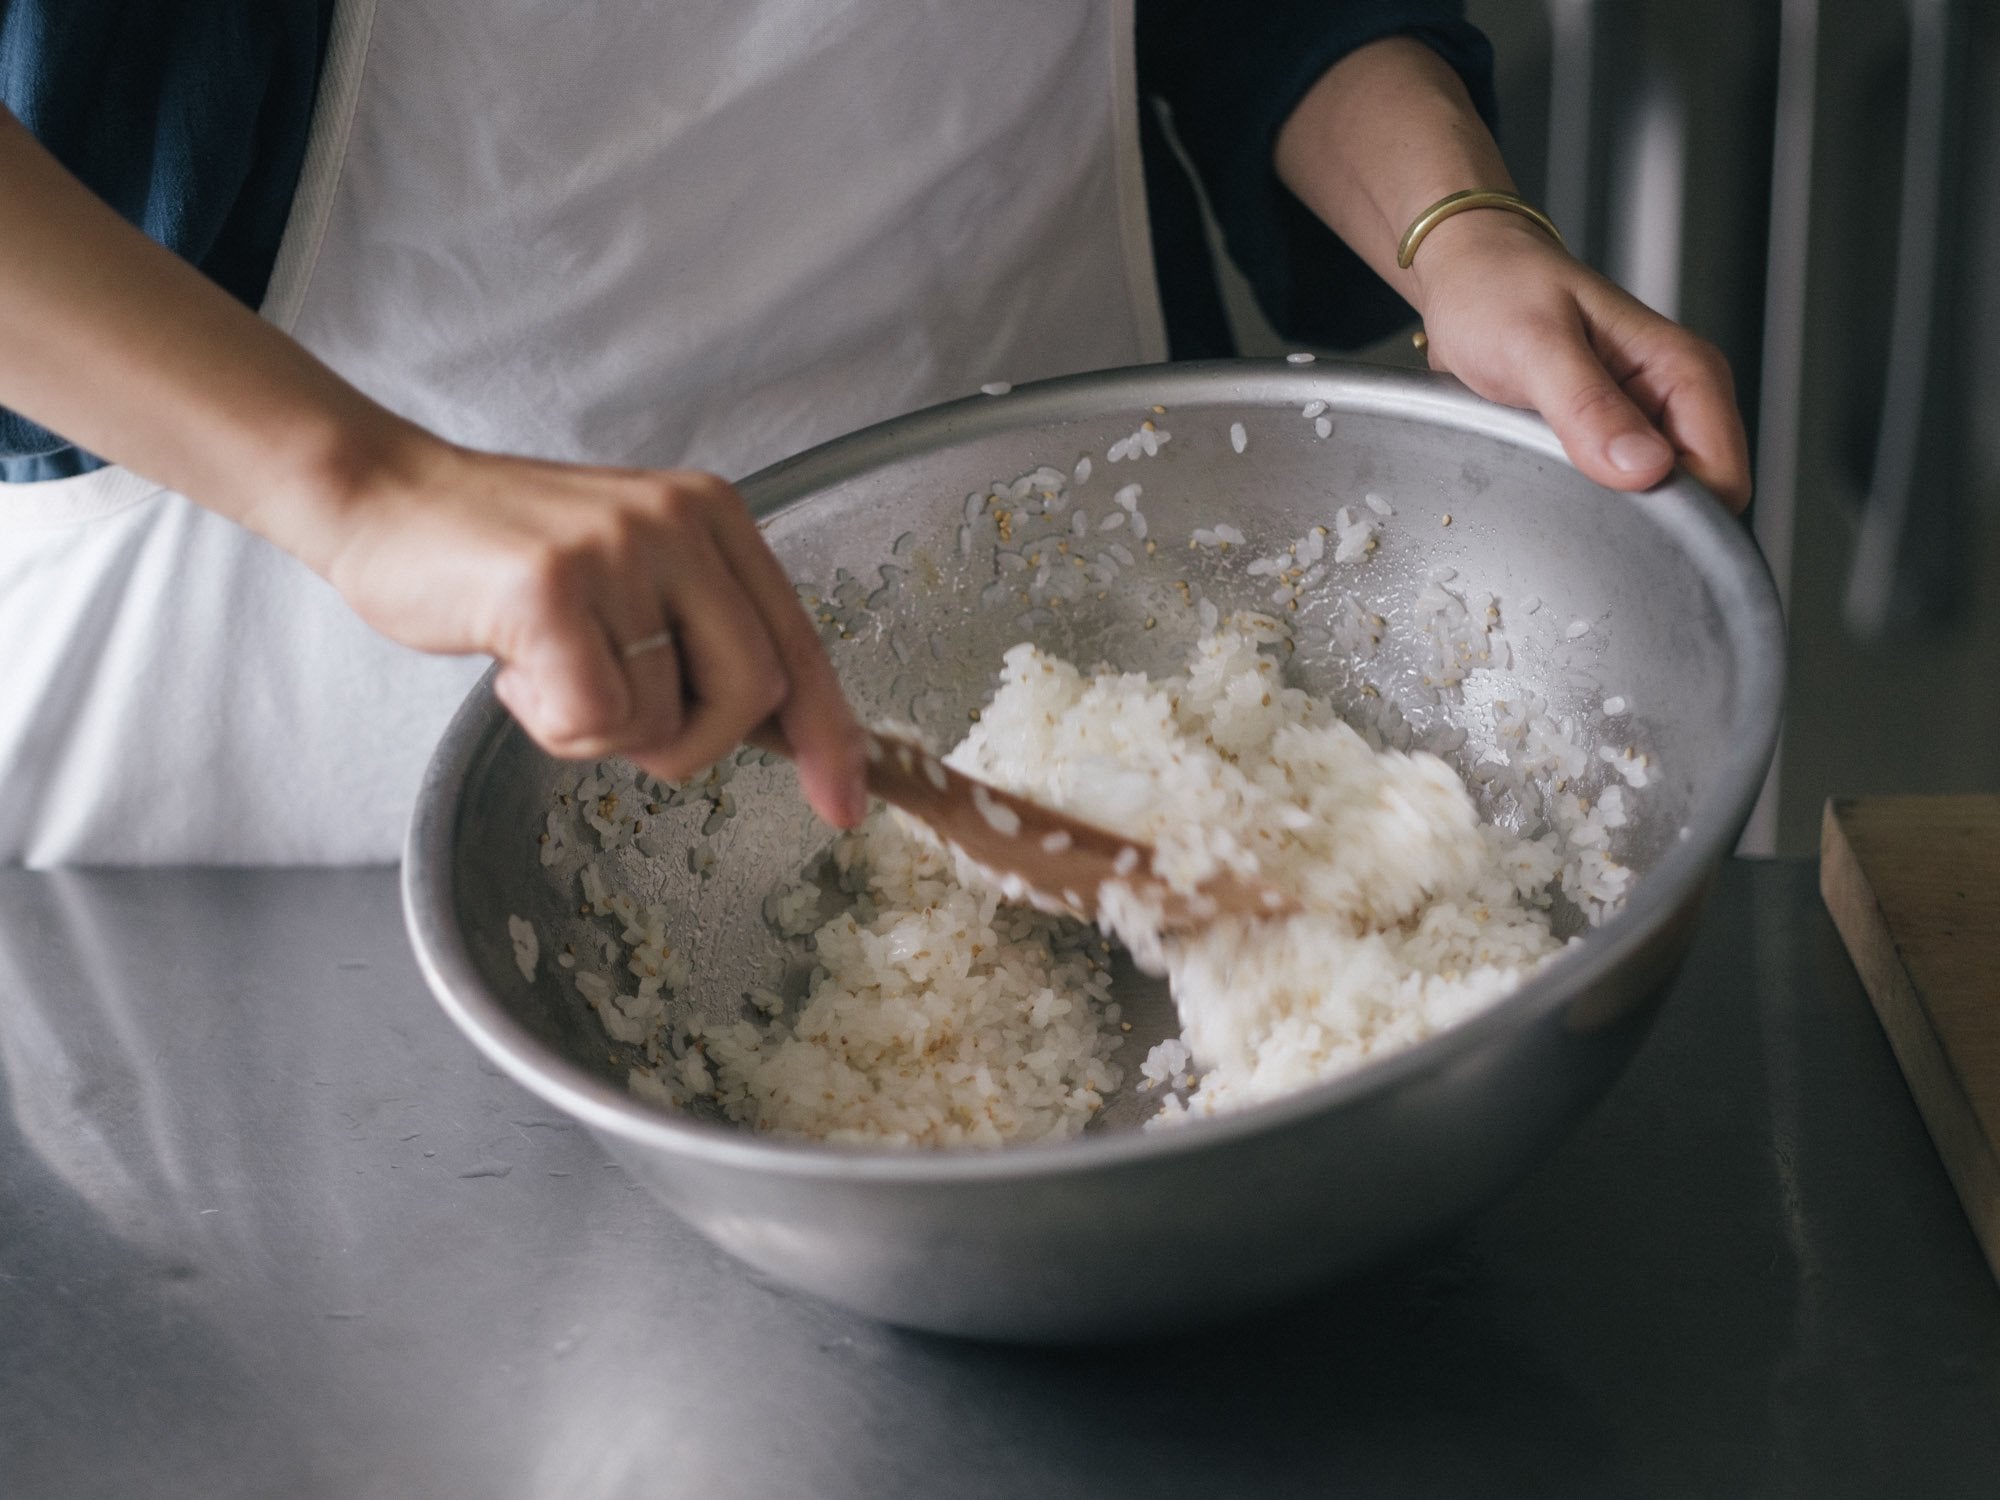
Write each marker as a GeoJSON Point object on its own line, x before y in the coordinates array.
{"type": "Point", "coordinates": [1385, 133]}
{"type": "Point", "coordinates": [128, 351]}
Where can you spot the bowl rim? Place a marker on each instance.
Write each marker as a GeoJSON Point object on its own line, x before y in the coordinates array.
{"type": "Point", "coordinates": [1716, 542]}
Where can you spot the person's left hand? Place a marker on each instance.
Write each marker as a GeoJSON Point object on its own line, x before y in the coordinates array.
{"type": "Point", "coordinates": [1628, 392]}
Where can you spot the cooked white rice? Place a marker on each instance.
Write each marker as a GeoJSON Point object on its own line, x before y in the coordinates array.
{"type": "Point", "coordinates": [527, 946]}
{"type": "Point", "coordinates": [938, 1016]}
{"type": "Point", "coordinates": [1416, 915]}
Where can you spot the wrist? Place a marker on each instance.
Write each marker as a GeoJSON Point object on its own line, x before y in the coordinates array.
{"type": "Point", "coordinates": [1476, 244]}
{"type": "Point", "coordinates": [333, 470]}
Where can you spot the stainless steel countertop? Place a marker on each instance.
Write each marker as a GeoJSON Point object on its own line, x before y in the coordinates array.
{"type": "Point", "coordinates": [269, 1226]}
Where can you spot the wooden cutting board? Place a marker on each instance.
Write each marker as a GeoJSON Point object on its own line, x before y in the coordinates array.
{"type": "Point", "coordinates": [1914, 887]}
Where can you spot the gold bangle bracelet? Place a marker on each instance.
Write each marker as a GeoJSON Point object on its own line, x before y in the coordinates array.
{"type": "Point", "coordinates": [1458, 203]}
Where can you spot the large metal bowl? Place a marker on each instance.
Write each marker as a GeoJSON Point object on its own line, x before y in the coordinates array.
{"type": "Point", "coordinates": [1124, 1230]}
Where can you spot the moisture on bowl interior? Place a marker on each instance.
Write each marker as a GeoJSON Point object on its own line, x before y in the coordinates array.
{"type": "Point", "coordinates": [940, 1016]}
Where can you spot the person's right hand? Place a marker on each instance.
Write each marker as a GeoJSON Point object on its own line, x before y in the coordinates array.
{"type": "Point", "coordinates": [553, 569]}
{"type": "Point", "coordinates": [556, 569]}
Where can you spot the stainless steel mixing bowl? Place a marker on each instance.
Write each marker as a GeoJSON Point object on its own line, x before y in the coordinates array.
{"type": "Point", "coordinates": [1124, 1230]}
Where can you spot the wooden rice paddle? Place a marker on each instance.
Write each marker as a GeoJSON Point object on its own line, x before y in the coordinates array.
{"type": "Point", "coordinates": [1038, 854]}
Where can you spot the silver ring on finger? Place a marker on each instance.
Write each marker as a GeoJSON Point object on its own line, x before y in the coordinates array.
{"type": "Point", "coordinates": [658, 641]}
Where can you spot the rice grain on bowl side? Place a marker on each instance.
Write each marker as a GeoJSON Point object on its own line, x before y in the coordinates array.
{"type": "Point", "coordinates": [936, 1015]}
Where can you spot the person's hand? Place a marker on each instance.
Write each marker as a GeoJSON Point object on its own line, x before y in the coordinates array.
{"type": "Point", "coordinates": [634, 613]}
{"type": "Point", "coordinates": [1386, 133]}
{"type": "Point", "coordinates": [1628, 392]}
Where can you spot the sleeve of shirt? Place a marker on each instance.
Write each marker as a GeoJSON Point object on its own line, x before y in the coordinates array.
{"type": "Point", "coordinates": [189, 117]}
{"type": "Point", "coordinates": [1227, 77]}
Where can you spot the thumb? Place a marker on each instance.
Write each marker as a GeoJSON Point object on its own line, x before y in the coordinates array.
{"type": "Point", "coordinates": [1604, 434]}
